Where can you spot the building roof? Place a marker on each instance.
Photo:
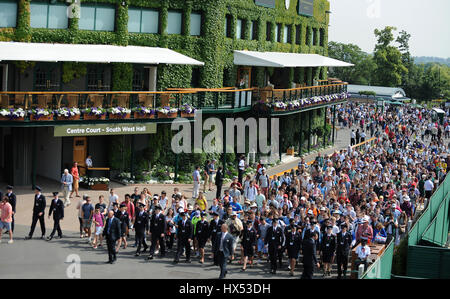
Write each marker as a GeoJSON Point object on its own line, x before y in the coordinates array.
{"type": "Point", "coordinates": [395, 93]}
{"type": "Point", "coordinates": [91, 53]}
{"type": "Point", "coordinates": [280, 59]}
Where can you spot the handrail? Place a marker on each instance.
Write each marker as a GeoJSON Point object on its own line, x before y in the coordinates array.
{"type": "Point", "coordinates": [96, 92]}
{"type": "Point", "coordinates": [310, 87]}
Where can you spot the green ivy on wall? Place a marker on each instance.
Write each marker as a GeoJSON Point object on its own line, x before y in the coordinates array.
{"type": "Point", "coordinates": [73, 70]}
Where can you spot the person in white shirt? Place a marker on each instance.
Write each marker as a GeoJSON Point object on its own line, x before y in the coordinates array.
{"type": "Point", "coordinates": [251, 192]}
{"type": "Point", "coordinates": [196, 178]}
{"type": "Point", "coordinates": [113, 198]}
{"type": "Point", "coordinates": [428, 187]}
{"type": "Point", "coordinates": [89, 161]}
{"type": "Point", "coordinates": [363, 253]}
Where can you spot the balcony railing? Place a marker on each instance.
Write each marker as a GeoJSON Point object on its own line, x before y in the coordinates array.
{"type": "Point", "coordinates": [75, 105]}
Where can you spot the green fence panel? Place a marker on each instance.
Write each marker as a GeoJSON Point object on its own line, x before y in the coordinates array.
{"type": "Point", "coordinates": [382, 267]}
{"type": "Point", "coordinates": [437, 231]}
{"type": "Point", "coordinates": [428, 262]}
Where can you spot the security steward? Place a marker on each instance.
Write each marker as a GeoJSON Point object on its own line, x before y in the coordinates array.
{"type": "Point", "coordinates": [38, 213]}
{"type": "Point", "coordinates": [140, 225]}
{"type": "Point", "coordinates": [248, 243]}
{"type": "Point", "coordinates": [293, 245]}
{"type": "Point", "coordinates": [275, 241]}
{"type": "Point", "coordinates": [309, 255]}
{"type": "Point", "coordinates": [344, 241]}
{"type": "Point", "coordinates": [184, 238]}
{"type": "Point", "coordinates": [157, 231]}
{"type": "Point", "coordinates": [215, 228]}
{"type": "Point", "coordinates": [202, 235]}
{"type": "Point", "coordinates": [57, 209]}
{"type": "Point", "coordinates": [328, 248]}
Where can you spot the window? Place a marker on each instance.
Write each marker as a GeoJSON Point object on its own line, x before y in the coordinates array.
{"type": "Point", "coordinates": [315, 36]}
{"type": "Point", "coordinates": [287, 38]}
{"type": "Point", "coordinates": [8, 14]}
{"type": "Point", "coordinates": [268, 31]}
{"type": "Point", "coordinates": [298, 34]}
{"type": "Point", "coordinates": [45, 15]}
{"type": "Point", "coordinates": [97, 17]}
{"type": "Point", "coordinates": [322, 37]}
{"type": "Point", "coordinates": [239, 29]}
{"type": "Point", "coordinates": [96, 78]}
{"type": "Point", "coordinates": [196, 24]}
{"type": "Point", "coordinates": [174, 22]}
{"type": "Point", "coordinates": [254, 30]}
{"type": "Point", "coordinates": [278, 33]}
{"type": "Point", "coordinates": [228, 21]}
{"type": "Point", "coordinates": [308, 36]}
{"type": "Point", "coordinates": [143, 20]}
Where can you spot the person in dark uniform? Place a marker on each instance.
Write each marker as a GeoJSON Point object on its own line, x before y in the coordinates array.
{"type": "Point", "coordinates": [309, 255]}
{"type": "Point", "coordinates": [157, 231]}
{"type": "Point", "coordinates": [140, 224]}
{"type": "Point", "coordinates": [275, 241]}
{"type": "Point", "coordinates": [112, 232]}
{"type": "Point", "coordinates": [223, 245]}
{"type": "Point", "coordinates": [343, 240]}
{"type": "Point", "coordinates": [328, 249]}
{"type": "Point", "coordinates": [124, 219]}
{"type": "Point", "coordinates": [202, 235]}
{"type": "Point", "coordinates": [248, 243]}
{"type": "Point", "coordinates": [38, 213]}
{"type": "Point", "coordinates": [293, 245]}
{"type": "Point", "coordinates": [12, 202]}
{"type": "Point", "coordinates": [184, 237]}
{"type": "Point", "coordinates": [214, 229]}
{"type": "Point", "coordinates": [57, 208]}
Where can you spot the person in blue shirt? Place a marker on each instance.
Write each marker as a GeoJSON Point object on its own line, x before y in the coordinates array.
{"type": "Point", "coordinates": [236, 206]}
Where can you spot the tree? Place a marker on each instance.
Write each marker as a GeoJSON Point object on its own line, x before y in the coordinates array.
{"type": "Point", "coordinates": [388, 59]}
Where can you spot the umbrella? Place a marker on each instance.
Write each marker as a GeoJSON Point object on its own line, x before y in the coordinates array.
{"type": "Point", "coordinates": [397, 103]}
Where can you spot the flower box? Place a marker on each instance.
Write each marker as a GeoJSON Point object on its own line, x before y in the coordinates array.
{"type": "Point", "coordinates": [119, 116]}
{"type": "Point", "coordinates": [12, 114]}
{"type": "Point", "coordinates": [138, 115]}
{"type": "Point", "coordinates": [100, 187]}
{"type": "Point", "coordinates": [7, 118]}
{"type": "Point", "coordinates": [41, 118]}
{"type": "Point", "coordinates": [73, 117]}
{"type": "Point", "coordinates": [279, 109]}
{"type": "Point", "coordinates": [184, 114]}
{"type": "Point", "coordinates": [93, 116]}
{"type": "Point", "coordinates": [168, 115]}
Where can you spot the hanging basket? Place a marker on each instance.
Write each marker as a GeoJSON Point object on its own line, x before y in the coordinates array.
{"type": "Point", "coordinates": [42, 118]}
{"type": "Point", "coordinates": [93, 116]}
{"type": "Point", "coordinates": [187, 115]}
{"type": "Point", "coordinates": [168, 115]}
{"type": "Point", "coordinates": [138, 115]}
{"type": "Point", "coordinates": [73, 117]}
{"type": "Point", "coordinates": [119, 116]}
{"type": "Point", "coordinates": [7, 118]}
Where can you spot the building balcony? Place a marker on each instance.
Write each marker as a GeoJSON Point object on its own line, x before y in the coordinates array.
{"type": "Point", "coordinates": [46, 108]}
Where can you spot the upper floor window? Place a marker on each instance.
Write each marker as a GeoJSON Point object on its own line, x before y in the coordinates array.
{"type": "Point", "coordinates": [287, 38]}
{"type": "Point", "coordinates": [97, 17]}
{"type": "Point", "coordinates": [298, 34]}
{"type": "Point", "coordinates": [254, 30]}
{"type": "Point", "coordinates": [228, 22]}
{"type": "Point", "coordinates": [196, 24]}
{"type": "Point", "coordinates": [142, 20]}
{"type": "Point", "coordinates": [45, 15]}
{"type": "Point", "coordinates": [8, 13]}
{"type": "Point", "coordinates": [174, 22]}
{"type": "Point", "coordinates": [240, 28]}
{"type": "Point", "coordinates": [278, 33]}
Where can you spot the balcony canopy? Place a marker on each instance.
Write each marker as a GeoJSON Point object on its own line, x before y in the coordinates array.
{"type": "Point", "coordinates": [279, 59]}
{"type": "Point", "coordinates": [91, 53]}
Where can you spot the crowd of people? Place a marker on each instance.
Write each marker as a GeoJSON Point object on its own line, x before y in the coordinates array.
{"type": "Point", "coordinates": [319, 211]}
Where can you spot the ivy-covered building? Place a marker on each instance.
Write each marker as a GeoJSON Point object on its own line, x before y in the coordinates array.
{"type": "Point", "coordinates": [213, 32]}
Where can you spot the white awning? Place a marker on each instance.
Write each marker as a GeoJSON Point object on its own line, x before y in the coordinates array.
{"type": "Point", "coordinates": [279, 59]}
{"type": "Point", "coordinates": [438, 111]}
{"type": "Point", "coordinates": [91, 53]}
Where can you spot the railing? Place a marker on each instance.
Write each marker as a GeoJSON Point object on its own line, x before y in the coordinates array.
{"type": "Point", "coordinates": [283, 95]}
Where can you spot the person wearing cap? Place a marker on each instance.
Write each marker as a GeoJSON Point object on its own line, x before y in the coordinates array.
{"type": "Point", "coordinates": [201, 233]}
{"type": "Point", "coordinates": [248, 243]}
{"type": "Point", "coordinates": [124, 219]}
{"type": "Point", "coordinates": [364, 230]}
{"type": "Point", "coordinates": [184, 237]}
{"type": "Point", "coordinates": [293, 245]}
{"type": "Point", "coordinates": [112, 232]}
{"type": "Point", "coordinates": [275, 241]}
{"type": "Point", "coordinates": [57, 209]}
{"type": "Point", "coordinates": [235, 228]}
{"type": "Point", "coordinates": [343, 244]}
{"type": "Point", "coordinates": [38, 213]}
{"type": "Point", "coordinates": [12, 201]}
{"type": "Point", "coordinates": [328, 248]}
{"type": "Point", "coordinates": [309, 255]}
{"type": "Point", "coordinates": [214, 229]}
{"type": "Point", "coordinates": [157, 231]}
{"type": "Point", "coordinates": [66, 181]}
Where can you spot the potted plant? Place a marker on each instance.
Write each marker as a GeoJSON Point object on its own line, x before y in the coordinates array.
{"type": "Point", "coordinates": [95, 183]}
{"type": "Point", "coordinates": [143, 112]}
{"type": "Point", "coordinates": [68, 113]}
{"type": "Point", "coordinates": [41, 114]}
{"type": "Point", "coordinates": [94, 113]}
{"type": "Point", "coordinates": [187, 110]}
{"type": "Point", "coordinates": [293, 105]}
{"type": "Point", "coordinates": [167, 112]}
{"type": "Point", "coordinates": [12, 114]}
{"type": "Point", "coordinates": [119, 113]}
{"type": "Point", "coordinates": [279, 106]}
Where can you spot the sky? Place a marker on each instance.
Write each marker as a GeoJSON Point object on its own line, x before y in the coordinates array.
{"type": "Point", "coordinates": [428, 22]}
